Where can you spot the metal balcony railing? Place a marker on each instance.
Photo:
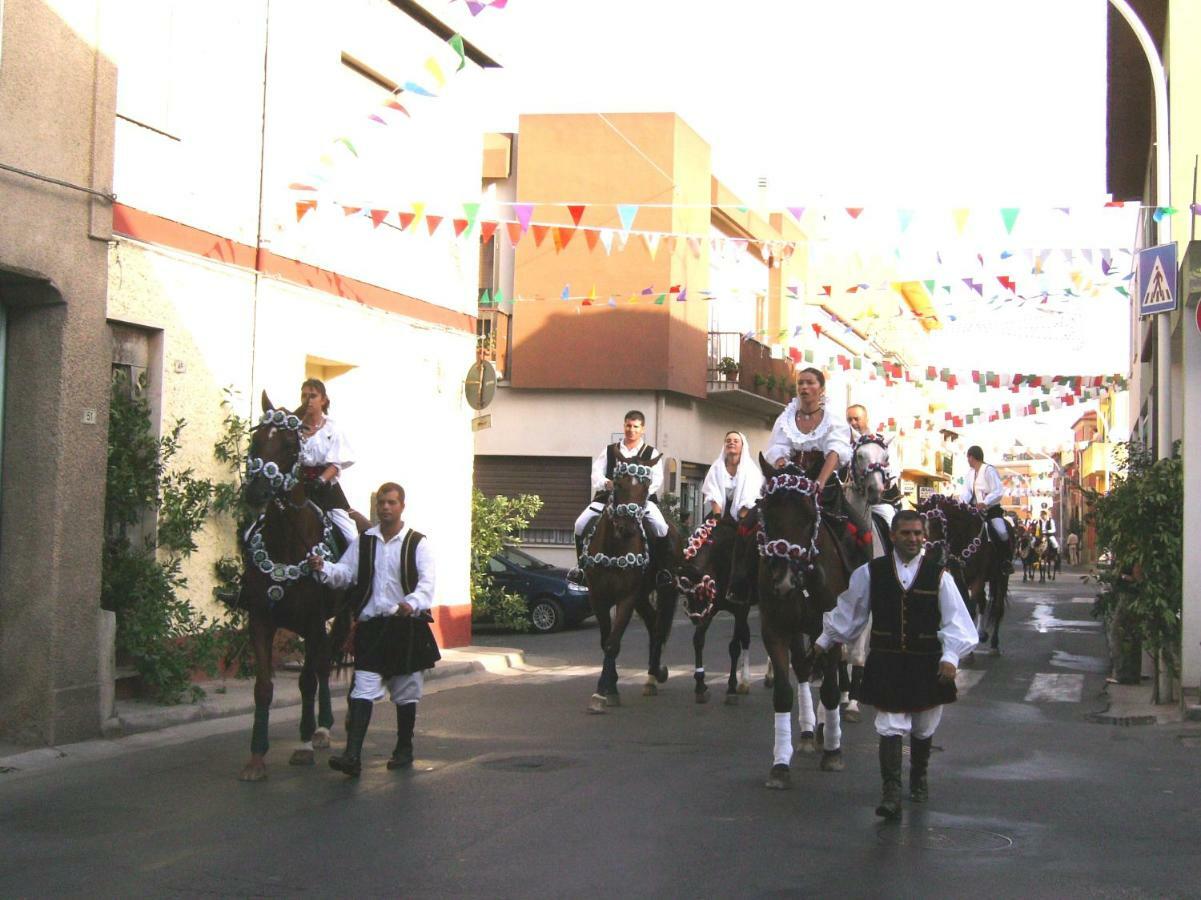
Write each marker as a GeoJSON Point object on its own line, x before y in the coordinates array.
{"type": "Point", "coordinates": [737, 363]}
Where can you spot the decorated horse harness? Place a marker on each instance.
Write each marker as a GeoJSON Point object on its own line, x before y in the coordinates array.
{"type": "Point", "coordinates": [635, 511]}
{"type": "Point", "coordinates": [935, 508]}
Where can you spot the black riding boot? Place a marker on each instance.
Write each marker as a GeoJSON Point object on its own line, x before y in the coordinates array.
{"type": "Point", "coordinates": [576, 575]}
{"type": "Point", "coordinates": [406, 717]}
{"type": "Point", "coordinates": [1006, 554]}
{"type": "Point", "coordinates": [890, 772]}
{"type": "Point", "coordinates": [350, 762]}
{"type": "Point", "coordinates": [919, 761]}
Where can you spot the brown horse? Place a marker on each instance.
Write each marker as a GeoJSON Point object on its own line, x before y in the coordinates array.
{"type": "Point", "coordinates": [957, 534]}
{"type": "Point", "coordinates": [279, 590]}
{"type": "Point", "coordinates": [802, 570]}
{"type": "Point", "coordinates": [617, 560]}
{"type": "Point", "coordinates": [715, 576]}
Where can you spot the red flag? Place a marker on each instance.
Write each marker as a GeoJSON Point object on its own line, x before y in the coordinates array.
{"type": "Point", "coordinates": [487, 229]}
{"type": "Point", "coordinates": [392, 104]}
{"type": "Point", "coordinates": [590, 236]}
{"type": "Point", "coordinates": [952, 381]}
{"type": "Point", "coordinates": [460, 226]}
{"type": "Point", "coordinates": [406, 219]}
{"type": "Point", "coordinates": [826, 289]}
{"type": "Point", "coordinates": [577, 212]}
{"type": "Point", "coordinates": [515, 232]}
{"type": "Point", "coordinates": [539, 234]}
{"type": "Point", "coordinates": [817, 329]}
{"type": "Point", "coordinates": [378, 216]}
{"type": "Point", "coordinates": [854, 211]}
{"type": "Point", "coordinates": [432, 223]}
{"type": "Point", "coordinates": [563, 236]}
{"type": "Point", "coordinates": [351, 210]}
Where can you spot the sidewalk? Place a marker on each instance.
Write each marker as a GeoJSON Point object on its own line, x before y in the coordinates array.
{"type": "Point", "coordinates": [139, 724]}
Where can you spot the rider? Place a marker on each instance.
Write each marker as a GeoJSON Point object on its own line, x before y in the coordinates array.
{"type": "Point", "coordinates": [984, 491]}
{"type": "Point", "coordinates": [324, 453]}
{"type": "Point", "coordinates": [731, 486]}
{"type": "Point", "coordinates": [1045, 527]}
{"type": "Point", "coordinates": [632, 448]}
{"type": "Point", "coordinates": [808, 434]}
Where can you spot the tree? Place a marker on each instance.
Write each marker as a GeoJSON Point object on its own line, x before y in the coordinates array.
{"type": "Point", "coordinates": [495, 521]}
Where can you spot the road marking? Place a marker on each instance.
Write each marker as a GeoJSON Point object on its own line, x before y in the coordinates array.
{"type": "Point", "coordinates": [966, 679]}
{"type": "Point", "coordinates": [1055, 688]}
{"type": "Point", "coordinates": [1044, 620]}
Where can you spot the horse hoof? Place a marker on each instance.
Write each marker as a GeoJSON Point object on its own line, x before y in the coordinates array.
{"type": "Point", "coordinates": [779, 779]}
{"type": "Point", "coordinates": [661, 675]}
{"type": "Point", "coordinates": [255, 770]}
{"type": "Point", "coordinates": [321, 739]}
{"type": "Point", "coordinates": [732, 699]}
{"type": "Point", "coordinates": [832, 761]}
{"type": "Point", "coordinates": [702, 696]}
{"type": "Point", "coordinates": [613, 699]}
{"type": "Point", "coordinates": [851, 715]}
{"type": "Point", "coordinates": [597, 703]}
{"type": "Point", "coordinates": [650, 689]}
{"type": "Point", "coordinates": [806, 744]}
{"type": "Point", "coordinates": [302, 758]}
{"type": "Point", "coordinates": [743, 688]}
{"type": "Point", "coordinates": [767, 681]}
{"type": "Point", "coordinates": [994, 651]}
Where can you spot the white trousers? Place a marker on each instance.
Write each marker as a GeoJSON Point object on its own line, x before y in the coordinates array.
{"type": "Point", "coordinates": [658, 525]}
{"type": "Point", "coordinates": [1000, 528]}
{"type": "Point", "coordinates": [402, 688]}
{"type": "Point", "coordinates": [921, 724]}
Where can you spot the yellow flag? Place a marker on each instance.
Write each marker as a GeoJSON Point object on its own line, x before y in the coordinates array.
{"type": "Point", "coordinates": [431, 66]}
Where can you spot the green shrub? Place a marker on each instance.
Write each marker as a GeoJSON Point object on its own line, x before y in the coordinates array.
{"type": "Point", "coordinates": [495, 521]}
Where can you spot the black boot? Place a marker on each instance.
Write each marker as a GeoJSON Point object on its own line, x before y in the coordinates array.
{"type": "Point", "coordinates": [919, 761]}
{"type": "Point", "coordinates": [1006, 555]}
{"type": "Point", "coordinates": [402, 756]}
{"type": "Point", "coordinates": [890, 772]}
{"type": "Point", "coordinates": [576, 574]}
{"type": "Point", "coordinates": [359, 717]}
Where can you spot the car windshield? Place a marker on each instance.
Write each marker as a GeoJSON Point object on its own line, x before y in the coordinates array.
{"type": "Point", "coordinates": [521, 559]}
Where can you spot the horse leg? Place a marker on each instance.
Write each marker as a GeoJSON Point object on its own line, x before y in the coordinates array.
{"type": "Point", "coordinates": [262, 632]}
{"type": "Point", "coordinates": [325, 709]}
{"type": "Point", "coordinates": [611, 645]}
{"type": "Point", "coordinates": [656, 672]}
{"type": "Point", "coordinates": [303, 755]}
{"type": "Point", "coordinates": [742, 632]}
{"type": "Point", "coordinates": [806, 718]}
{"type": "Point", "coordinates": [780, 777]}
{"type": "Point", "coordinates": [735, 650]}
{"type": "Point", "coordinates": [698, 654]}
{"type": "Point", "coordinates": [604, 622]}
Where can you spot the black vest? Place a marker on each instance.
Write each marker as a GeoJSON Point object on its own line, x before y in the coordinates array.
{"type": "Point", "coordinates": [612, 457]}
{"type": "Point", "coordinates": [360, 592]}
{"type": "Point", "coordinates": [905, 621]}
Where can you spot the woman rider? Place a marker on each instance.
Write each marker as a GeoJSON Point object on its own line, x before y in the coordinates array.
{"type": "Point", "coordinates": [808, 434]}
{"type": "Point", "coordinates": [324, 453]}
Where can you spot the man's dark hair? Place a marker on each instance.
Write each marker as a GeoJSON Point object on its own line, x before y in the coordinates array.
{"type": "Point", "coordinates": [907, 515]}
{"type": "Point", "coordinates": [975, 453]}
{"type": "Point", "coordinates": [636, 415]}
{"type": "Point", "coordinates": [390, 487]}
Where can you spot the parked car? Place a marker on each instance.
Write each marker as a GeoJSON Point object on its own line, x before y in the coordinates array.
{"type": "Point", "coordinates": [553, 601]}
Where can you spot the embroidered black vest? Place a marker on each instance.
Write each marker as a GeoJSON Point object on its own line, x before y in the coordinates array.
{"type": "Point", "coordinates": [905, 621]}
{"type": "Point", "coordinates": [360, 592]}
{"type": "Point", "coordinates": [612, 457]}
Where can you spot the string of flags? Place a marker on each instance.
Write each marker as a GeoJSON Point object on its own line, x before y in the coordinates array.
{"type": "Point", "coordinates": [475, 7]}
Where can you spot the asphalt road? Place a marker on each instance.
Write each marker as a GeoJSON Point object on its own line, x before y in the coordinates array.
{"type": "Point", "coordinates": [518, 792]}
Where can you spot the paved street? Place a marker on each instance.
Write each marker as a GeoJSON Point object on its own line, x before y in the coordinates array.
{"type": "Point", "coordinates": [518, 792]}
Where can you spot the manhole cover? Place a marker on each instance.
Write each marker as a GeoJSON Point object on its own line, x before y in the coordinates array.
{"type": "Point", "coordinates": [527, 763]}
{"type": "Point", "coordinates": [933, 838]}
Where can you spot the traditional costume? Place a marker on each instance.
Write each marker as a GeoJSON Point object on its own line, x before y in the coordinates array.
{"type": "Point", "coordinates": [325, 447]}
{"type": "Point", "coordinates": [919, 620]}
{"type": "Point", "coordinates": [732, 494]}
{"type": "Point", "coordinates": [389, 649]}
{"type": "Point", "coordinates": [984, 486]}
{"type": "Point", "coordinates": [831, 434]}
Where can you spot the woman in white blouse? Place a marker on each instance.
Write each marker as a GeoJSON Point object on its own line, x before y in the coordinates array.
{"type": "Point", "coordinates": [809, 434]}
{"type": "Point", "coordinates": [324, 453]}
{"type": "Point", "coordinates": [733, 481]}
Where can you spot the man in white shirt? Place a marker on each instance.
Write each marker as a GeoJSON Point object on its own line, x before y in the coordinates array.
{"type": "Point", "coordinates": [920, 629]}
{"type": "Point", "coordinates": [391, 571]}
{"type": "Point", "coordinates": [984, 491]}
{"type": "Point", "coordinates": [632, 449]}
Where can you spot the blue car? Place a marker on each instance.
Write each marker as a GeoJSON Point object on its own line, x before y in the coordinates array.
{"type": "Point", "coordinates": [553, 601]}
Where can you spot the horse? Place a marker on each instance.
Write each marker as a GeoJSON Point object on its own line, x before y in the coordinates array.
{"type": "Point", "coordinates": [802, 571]}
{"type": "Point", "coordinates": [958, 534]}
{"type": "Point", "coordinates": [1047, 558]}
{"type": "Point", "coordinates": [279, 589]}
{"type": "Point", "coordinates": [1024, 544]}
{"type": "Point", "coordinates": [617, 561]}
{"type": "Point", "coordinates": [714, 577]}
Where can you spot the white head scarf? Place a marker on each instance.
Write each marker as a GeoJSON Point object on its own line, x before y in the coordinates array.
{"type": "Point", "coordinates": [746, 482]}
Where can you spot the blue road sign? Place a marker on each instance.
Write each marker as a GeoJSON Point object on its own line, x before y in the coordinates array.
{"type": "Point", "coordinates": [1157, 279]}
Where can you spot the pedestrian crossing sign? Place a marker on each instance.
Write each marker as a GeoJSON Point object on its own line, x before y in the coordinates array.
{"type": "Point", "coordinates": [1156, 279]}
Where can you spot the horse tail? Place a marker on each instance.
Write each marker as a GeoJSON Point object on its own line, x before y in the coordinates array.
{"type": "Point", "coordinates": [665, 612]}
{"type": "Point", "coordinates": [341, 646]}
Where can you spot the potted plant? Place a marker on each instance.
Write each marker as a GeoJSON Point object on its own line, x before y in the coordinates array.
{"type": "Point", "coordinates": [728, 367]}
{"type": "Point", "coordinates": [759, 380]}
{"type": "Point", "coordinates": [771, 384]}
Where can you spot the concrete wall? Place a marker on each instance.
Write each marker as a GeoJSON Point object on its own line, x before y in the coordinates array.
{"type": "Point", "coordinates": [56, 105]}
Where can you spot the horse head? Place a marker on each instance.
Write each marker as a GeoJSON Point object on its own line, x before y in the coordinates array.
{"type": "Point", "coordinates": [631, 488]}
{"type": "Point", "coordinates": [790, 518]}
{"type": "Point", "coordinates": [706, 555]}
{"type": "Point", "coordinates": [953, 530]}
{"type": "Point", "coordinates": [273, 461]}
{"type": "Point", "coordinates": [869, 468]}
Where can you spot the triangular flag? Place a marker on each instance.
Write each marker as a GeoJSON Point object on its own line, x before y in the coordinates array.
{"type": "Point", "coordinates": [498, 297]}
{"type": "Point", "coordinates": [296, 186]}
{"type": "Point", "coordinates": [1009, 215]}
{"type": "Point", "coordinates": [540, 234]}
{"type": "Point", "coordinates": [524, 211]}
{"type": "Point", "coordinates": [590, 236]}
{"type": "Point", "coordinates": [485, 299]}
{"type": "Point", "coordinates": [651, 239]}
{"type": "Point", "coordinates": [456, 44]}
{"type": "Point", "coordinates": [626, 212]}
{"type": "Point", "coordinates": [414, 88]}
{"type": "Point", "coordinates": [471, 210]}
{"type": "Point", "coordinates": [797, 212]}
{"type": "Point", "coordinates": [660, 299]}
{"type": "Point", "coordinates": [694, 245]}
{"type": "Point", "coordinates": [406, 219]}
{"type": "Point", "coordinates": [392, 104]}
{"type": "Point", "coordinates": [487, 229]}
{"type": "Point", "coordinates": [566, 295]}
{"type": "Point", "coordinates": [904, 217]}
{"type": "Point", "coordinates": [606, 239]}
{"type": "Point", "coordinates": [432, 223]}
{"type": "Point", "coordinates": [347, 144]}
{"type": "Point", "coordinates": [854, 211]}
{"type": "Point", "coordinates": [378, 216]}
{"type": "Point", "coordinates": [303, 207]}
{"type": "Point", "coordinates": [563, 236]}
{"type": "Point", "coordinates": [515, 232]}
{"type": "Point", "coordinates": [418, 211]}
{"type": "Point", "coordinates": [460, 226]}
{"type": "Point", "coordinates": [577, 212]}
{"type": "Point", "coordinates": [351, 210]}
{"type": "Point", "coordinates": [668, 244]}
{"type": "Point", "coordinates": [960, 216]}
{"type": "Point", "coordinates": [431, 66]}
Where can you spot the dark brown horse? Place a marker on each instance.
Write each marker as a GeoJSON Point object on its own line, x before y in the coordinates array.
{"type": "Point", "coordinates": [716, 576]}
{"type": "Point", "coordinates": [957, 535]}
{"type": "Point", "coordinates": [617, 560]}
{"type": "Point", "coordinates": [280, 591]}
{"type": "Point", "coordinates": [802, 570]}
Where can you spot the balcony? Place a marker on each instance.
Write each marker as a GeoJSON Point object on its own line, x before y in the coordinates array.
{"type": "Point", "coordinates": [1096, 458]}
{"type": "Point", "coordinates": [743, 374]}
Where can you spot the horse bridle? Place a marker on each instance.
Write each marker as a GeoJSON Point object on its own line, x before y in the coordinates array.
{"type": "Point", "coordinates": [881, 467]}
{"type": "Point", "coordinates": [706, 588]}
{"type": "Point", "coordinates": [937, 510]}
{"type": "Point", "coordinates": [285, 575]}
{"type": "Point", "coordinates": [799, 556]}
{"type": "Point", "coordinates": [281, 482]}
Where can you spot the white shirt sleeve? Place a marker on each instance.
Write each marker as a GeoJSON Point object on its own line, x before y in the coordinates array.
{"type": "Point", "coordinates": [422, 597]}
{"type": "Point", "coordinates": [846, 621]}
{"type": "Point", "coordinates": [339, 452]}
{"type": "Point", "coordinates": [838, 440]}
{"type": "Point", "coordinates": [656, 476]}
{"type": "Point", "coordinates": [993, 490]}
{"type": "Point", "coordinates": [778, 445]}
{"type": "Point", "coordinates": [713, 490]}
{"type": "Point", "coordinates": [598, 471]}
{"type": "Point", "coordinates": [957, 633]}
{"type": "Point", "coordinates": [342, 573]}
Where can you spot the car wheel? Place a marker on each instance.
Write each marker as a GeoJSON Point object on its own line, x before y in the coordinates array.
{"type": "Point", "coordinates": [546, 615]}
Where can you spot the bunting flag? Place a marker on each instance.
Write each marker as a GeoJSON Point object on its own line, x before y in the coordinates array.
{"type": "Point", "coordinates": [432, 223]}
{"type": "Point", "coordinates": [303, 207]}
{"type": "Point", "coordinates": [904, 217]}
{"type": "Point", "coordinates": [377, 217]}
{"type": "Point", "coordinates": [960, 216]}
{"type": "Point", "coordinates": [797, 212]}
{"type": "Point", "coordinates": [487, 229]}
{"type": "Point", "coordinates": [626, 212]}
{"type": "Point", "coordinates": [1009, 216]}
{"type": "Point", "coordinates": [524, 212]}
{"type": "Point", "coordinates": [577, 212]}
{"type": "Point", "coordinates": [540, 234]}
